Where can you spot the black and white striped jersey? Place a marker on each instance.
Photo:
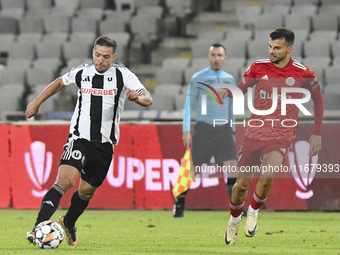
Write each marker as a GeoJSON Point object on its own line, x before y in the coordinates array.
{"type": "Point", "coordinates": [101, 98]}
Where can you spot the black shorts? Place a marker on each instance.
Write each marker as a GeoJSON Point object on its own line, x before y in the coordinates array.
{"type": "Point", "coordinates": [91, 159]}
{"type": "Point", "coordinates": [208, 141]}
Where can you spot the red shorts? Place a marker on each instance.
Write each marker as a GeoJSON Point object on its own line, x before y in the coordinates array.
{"type": "Point", "coordinates": [252, 151]}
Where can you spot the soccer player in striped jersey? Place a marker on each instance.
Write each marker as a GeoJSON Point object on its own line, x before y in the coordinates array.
{"type": "Point", "coordinates": [94, 130]}
{"type": "Point", "coordinates": [268, 145]}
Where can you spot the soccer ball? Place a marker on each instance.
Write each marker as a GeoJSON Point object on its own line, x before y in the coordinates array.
{"type": "Point", "coordinates": [49, 235]}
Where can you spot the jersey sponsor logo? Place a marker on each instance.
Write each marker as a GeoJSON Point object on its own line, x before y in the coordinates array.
{"type": "Point", "coordinates": [99, 92]}
{"type": "Point", "coordinates": [265, 77]}
{"type": "Point", "coordinates": [290, 81]}
{"type": "Point", "coordinates": [38, 165]}
{"type": "Point", "coordinates": [266, 95]}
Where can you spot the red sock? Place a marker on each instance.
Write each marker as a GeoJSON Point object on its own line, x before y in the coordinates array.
{"type": "Point", "coordinates": [257, 202]}
{"type": "Point", "coordinates": [236, 210]}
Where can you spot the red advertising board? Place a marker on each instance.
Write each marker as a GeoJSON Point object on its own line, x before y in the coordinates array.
{"type": "Point", "coordinates": [5, 170]}
{"type": "Point", "coordinates": [145, 167]}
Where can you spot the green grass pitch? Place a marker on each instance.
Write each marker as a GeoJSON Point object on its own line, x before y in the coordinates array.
{"type": "Point", "coordinates": [199, 232]}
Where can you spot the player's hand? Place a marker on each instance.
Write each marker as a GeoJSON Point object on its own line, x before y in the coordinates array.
{"type": "Point", "coordinates": [131, 94]}
{"type": "Point", "coordinates": [31, 110]}
{"type": "Point", "coordinates": [186, 139]}
{"type": "Point", "coordinates": [315, 145]}
{"type": "Point", "coordinates": [223, 94]}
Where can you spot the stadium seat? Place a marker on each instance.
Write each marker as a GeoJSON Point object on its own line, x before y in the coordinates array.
{"type": "Point", "coordinates": [29, 38]}
{"type": "Point", "coordinates": [248, 15]}
{"type": "Point", "coordinates": [322, 45]}
{"type": "Point", "coordinates": [22, 50]}
{"type": "Point", "coordinates": [74, 50]}
{"type": "Point", "coordinates": [124, 16]}
{"type": "Point", "coordinates": [47, 106]}
{"type": "Point", "coordinates": [200, 47]}
{"type": "Point", "coordinates": [39, 4]}
{"type": "Point", "coordinates": [8, 25]}
{"type": "Point", "coordinates": [317, 61]}
{"type": "Point", "coordinates": [299, 2]}
{"type": "Point", "coordinates": [329, 2]}
{"type": "Point", "coordinates": [308, 9]}
{"type": "Point", "coordinates": [146, 3]}
{"type": "Point", "coordinates": [331, 101]}
{"type": "Point", "coordinates": [275, 2]}
{"type": "Point", "coordinates": [9, 101]}
{"type": "Point", "coordinates": [180, 9]}
{"type": "Point", "coordinates": [298, 21]}
{"type": "Point", "coordinates": [155, 11]}
{"type": "Point", "coordinates": [52, 63]}
{"type": "Point", "coordinates": [145, 28]}
{"type": "Point", "coordinates": [57, 23]}
{"type": "Point", "coordinates": [214, 36]}
{"type": "Point", "coordinates": [163, 102]}
{"type": "Point", "coordinates": [235, 47]}
{"type": "Point", "coordinates": [189, 72]}
{"type": "Point", "coordinates": [331, 8]}
{"type": "Point", "coordinates": [282, 9]}
{"type": "Point", "coordinates": [23, 63]}
{"type": "Point", "coordinates": [92, 4]}
{"type": "Point", "coordinates": [325, 21]}
{"type": "Point", "coordinates": [239, 62]}
{"type": "Point", "coordinates": [240, 34]}
{"type": "Point", "coordinates": [16, 13]}
{"type": "Point", "coordinates": [258, 48]}
{"type": "Point", "coordinates": [112, 25]}
{"type": "Point", "coordinates": [328, 35]}
{"type": "Point", "coordinates": [12, 75]}
{"type": "Point", "coordinates": [297, 49]}
{"type": "Point", "coordinates": [262, 34]}
{"type": "Point", "coordinates": [44, 50]}
{"type": "Point", "coordinates": [84, 24]}
{"type": "Point", "coordinates": [169, 75]}
{"type": "Point", "coordinates": [85, 37]}
{"type": "Point", "coordinates": [234, 70]}
{"type": "Point", "coordinates": [67, 7]}
{"type": "Point", "coordinates": [336, 49]}
{"type": "Point", "coordinates": [94, 13]}
{"type": "Point", "coordinates": [6, 42]}
{"type": "Point", "coordinates": [180, 101]}
{"type": "Point", "coordinates": [180, 63]}
{"type": "Point", "coordinates": [125, 6]}
{"type": "Point", "coordinates": [168, 89]}
{"type": "Point", "coordinates": [31, 25]}
{"type": "Point", "coordinates": [332, 76]}
{"type": "Point", "coordinates": [200, 63]}
{"type": "Point", "coordinates": [55, 37]}
{"type": "Point", "coordinates": [8, 4]}
{"type": "Point", "coordinates": [270, 21]}
{"type": "Point", "coordinates": [41, 75]}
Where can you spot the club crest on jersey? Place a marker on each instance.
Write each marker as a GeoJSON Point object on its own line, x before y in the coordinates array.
{"type": "Point", "coordinates": [76, 154]}
{"type": "Point", "coordinates": [290, 81]}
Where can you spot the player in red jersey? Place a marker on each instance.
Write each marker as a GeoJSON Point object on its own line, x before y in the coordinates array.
{"type": "Point", "coordinates": [269, 144]}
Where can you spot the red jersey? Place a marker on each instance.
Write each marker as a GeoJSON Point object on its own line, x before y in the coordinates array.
{"type": "Point", "coordinates": [266, 76]}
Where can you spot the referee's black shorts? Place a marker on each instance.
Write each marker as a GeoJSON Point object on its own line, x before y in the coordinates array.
{"type": "Point", "coordinates": [91, 159]}
{"type": "Point", "coordinates": [208, 141]}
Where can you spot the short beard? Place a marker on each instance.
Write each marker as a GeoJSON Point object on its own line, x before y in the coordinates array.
{"type": "Point", "coordinates": [278, 60]}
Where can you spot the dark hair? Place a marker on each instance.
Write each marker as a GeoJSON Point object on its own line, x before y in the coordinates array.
{"type": "Point", "coordinates": [106, 41]}
{"type": "Point", "coordinates": [285, 33]}
{"type": "Point", "coordinates": [217, 45]}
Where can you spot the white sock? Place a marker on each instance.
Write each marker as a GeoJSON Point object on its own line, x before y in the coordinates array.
{"type": "Point", "coordinates": [235, 219]}
{"type": "Point", "coordinates": [251, 209]}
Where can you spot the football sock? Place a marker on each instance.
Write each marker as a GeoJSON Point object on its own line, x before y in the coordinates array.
{"type": "Point", "coordinates": [257, 202]}
{"type": "Point", "coordinates": [235, 219]}
{"type": "Point", "coordinates": [49, 204]}
{"type": "Point", "coordinates": [230, 185]}
{"type": "Point", "coordinates": [77, 207]}
{"type": "Point", "coordinates": [236, 209]}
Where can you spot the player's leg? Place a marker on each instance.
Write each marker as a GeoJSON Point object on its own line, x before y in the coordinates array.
{"type": "Point", "coordinates": [79, 202]}
{"type": "Point", "coordinates": [239, 195]}
{"type": "Point", "coordinates": [273, 158]}
{"type": "Point", "coordinates": [66, 178]}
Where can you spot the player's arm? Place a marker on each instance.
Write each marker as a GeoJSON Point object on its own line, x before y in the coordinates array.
{"type": "Point", "coordinates": [53, 88]}
{"type": "Point", "coordinates": [247, 81]}
{"type": "Point", "coordinates": [143, 99]}
{"type": "Point", "coordinates": [313, 86]}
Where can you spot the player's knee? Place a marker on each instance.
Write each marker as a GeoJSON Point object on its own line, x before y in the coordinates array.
{"type": "Point", "coordinates": [242, 186]}
{"type": "Point", "coordinates": [266, 182]}
{"type": "Point", "coordinates": [86, 194]}
{"type": "Point", "coordinates": [65, 184]}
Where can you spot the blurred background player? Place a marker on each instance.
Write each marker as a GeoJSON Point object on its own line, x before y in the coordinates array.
{"type": "Point", "coordinates": [207, 140]}
{"type": "Point", "coordinates": [269, 144]}
{"type": "Point", "coordinates": [103, 88]}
